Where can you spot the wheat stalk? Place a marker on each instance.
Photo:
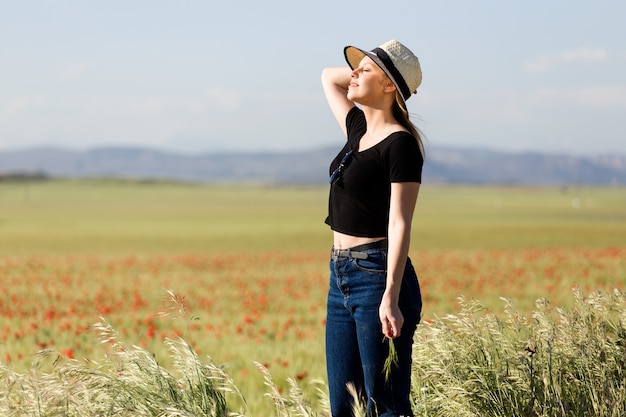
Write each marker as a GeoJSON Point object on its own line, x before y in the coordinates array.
{"type": "Point", "coordinates": [392, 358]}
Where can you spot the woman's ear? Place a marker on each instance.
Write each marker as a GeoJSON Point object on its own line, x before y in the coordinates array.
{"type": "Point", "coordinates": [389, 86]}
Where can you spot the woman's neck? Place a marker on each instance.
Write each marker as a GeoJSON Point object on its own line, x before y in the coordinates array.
{"type": "Point", "coordinates": [380, 124]}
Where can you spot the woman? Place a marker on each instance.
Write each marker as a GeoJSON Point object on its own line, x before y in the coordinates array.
{"type": "Point", "coordinates": [374, 293]}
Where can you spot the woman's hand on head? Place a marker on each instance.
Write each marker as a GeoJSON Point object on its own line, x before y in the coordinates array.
{"type": "Point", "coordinates": [335, 83]}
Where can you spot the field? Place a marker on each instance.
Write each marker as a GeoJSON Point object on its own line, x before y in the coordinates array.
{"type": "Point", "coordinates": [249, 265]}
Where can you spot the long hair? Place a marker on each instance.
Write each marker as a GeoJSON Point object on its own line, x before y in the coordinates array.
{"type": "Point", "coordinates": [402, 116]}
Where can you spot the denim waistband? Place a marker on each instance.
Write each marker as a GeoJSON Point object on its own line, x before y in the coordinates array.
{"type": "Point", "coordinates": [358, 252]}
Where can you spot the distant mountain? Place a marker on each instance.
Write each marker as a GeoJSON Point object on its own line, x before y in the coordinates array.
{"type": "Point", "coordinates": [480, 166]}
{"type": "Point", "coordinates": [443, 165]}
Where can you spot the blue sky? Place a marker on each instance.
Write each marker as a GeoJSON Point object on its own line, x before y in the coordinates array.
{"type": "Point", "coordinates": [205, 76]}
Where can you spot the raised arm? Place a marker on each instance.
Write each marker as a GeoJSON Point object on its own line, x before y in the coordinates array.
{"type": "Point", "coordinates": [335, 83]}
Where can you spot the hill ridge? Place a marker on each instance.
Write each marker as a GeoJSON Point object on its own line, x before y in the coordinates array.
{"type": "Point", "coordinates": [443, 165]}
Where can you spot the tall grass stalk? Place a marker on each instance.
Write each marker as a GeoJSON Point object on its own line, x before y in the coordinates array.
{"type": "Point", "coordinates": [294, 404]}
{"type": "Point", "coordinates": [392, 358]}
{"type": "Point", "coordinates": [129, 381]}
{"type": "Point", "coordinates": [556, 362]}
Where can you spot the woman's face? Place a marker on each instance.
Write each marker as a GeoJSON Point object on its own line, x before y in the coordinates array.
{"type": "Point", "coordinates": [368, 82]}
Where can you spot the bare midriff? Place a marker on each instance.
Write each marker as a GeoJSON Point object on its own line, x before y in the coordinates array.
{"type": "Point", "coordinates": [342, 241]}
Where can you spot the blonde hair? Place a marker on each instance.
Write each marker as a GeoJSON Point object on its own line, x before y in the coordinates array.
{"type": "Point", "coordinates": [402, 116]}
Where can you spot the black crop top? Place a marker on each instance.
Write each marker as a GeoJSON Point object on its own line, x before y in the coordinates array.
{"type": "Point", "coordinates": [359, 200]}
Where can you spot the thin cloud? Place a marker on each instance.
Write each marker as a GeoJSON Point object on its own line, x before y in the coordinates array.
{"type": "Point", "coordinates": [475, 112]}
{"type": "Point", "coordinates": [25, 103]}
{"type": "Point", "coordinates": [548, 62]}
{"type": "Point", "coordinates": [223, 98]}
{"type": "Point", "coordinates": [73, 70]}
{"type": "Point", "coordinates": [606, 97]}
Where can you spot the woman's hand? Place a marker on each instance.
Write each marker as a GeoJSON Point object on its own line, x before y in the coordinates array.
{"type": "Point", "coordinates": [335, 83]}
{"type": "Point", "coordinates": [391, 317]}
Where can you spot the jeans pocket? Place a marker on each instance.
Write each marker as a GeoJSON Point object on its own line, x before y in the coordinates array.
{"type": "Point", "coordinates": [375, 263]}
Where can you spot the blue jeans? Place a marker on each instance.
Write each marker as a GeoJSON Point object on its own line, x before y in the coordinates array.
{"type": "Point", "coordinates": [356, 348]}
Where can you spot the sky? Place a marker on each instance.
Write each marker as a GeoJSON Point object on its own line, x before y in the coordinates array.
{"type": "Point", "coordinates": [195, 76]}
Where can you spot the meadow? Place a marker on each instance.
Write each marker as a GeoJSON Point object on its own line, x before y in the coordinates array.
{"type": "Point", "coordinates": [246, 267]}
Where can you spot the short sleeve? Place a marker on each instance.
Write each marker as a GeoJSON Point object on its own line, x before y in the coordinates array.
{"type": "Point", "coordinates": [404, 159]}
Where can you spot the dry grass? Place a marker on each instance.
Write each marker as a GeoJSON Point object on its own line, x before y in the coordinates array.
{"type": "Point", "coordinates": [555, 362]}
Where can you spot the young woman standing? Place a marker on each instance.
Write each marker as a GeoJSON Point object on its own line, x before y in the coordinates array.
{"type": "Point", "coordinates": [374, 292]}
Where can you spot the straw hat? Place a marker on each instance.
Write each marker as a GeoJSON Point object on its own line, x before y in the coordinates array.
{"type": "Point", "coordinates": [396, 60]}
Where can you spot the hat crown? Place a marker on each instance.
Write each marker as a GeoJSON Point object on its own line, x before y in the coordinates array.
{"type": "Point", "coordinates": [406, 63]}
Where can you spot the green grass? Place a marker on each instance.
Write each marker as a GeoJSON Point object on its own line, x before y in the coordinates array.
{"type": "Point", "coordinates": [519, 217]}
{"type": "Point", "coordinates": [106, 216]}
{"type": "Point", "coordinates": [128, 217]}
{"type": "Point", "coordinates": [252, 262]}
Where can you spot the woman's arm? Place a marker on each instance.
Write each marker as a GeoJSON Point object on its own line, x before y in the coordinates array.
{"type": "Point", "coordinates": [403, 199]}
{"type": "Point", "coordinates": [335, 83]}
